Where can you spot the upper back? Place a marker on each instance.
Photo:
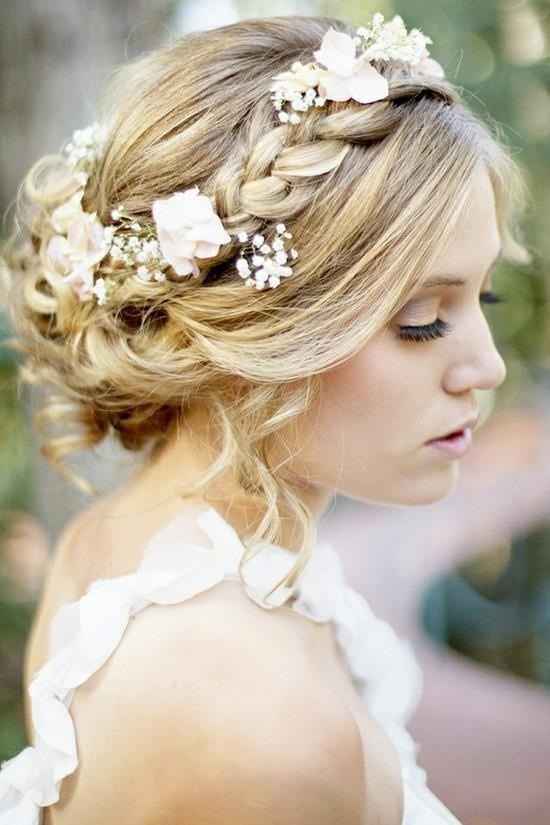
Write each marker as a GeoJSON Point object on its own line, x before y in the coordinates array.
{"type": "Point", "coordinates": [206, 715]}
{"type": "Point", "coordinates": [214, 684]}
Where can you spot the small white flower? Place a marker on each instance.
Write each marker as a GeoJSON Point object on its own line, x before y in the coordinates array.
{"type": "Point", "coordinates": [288, 235]}
{"type": "Point", "coordinates": [258, 260]}
{"type": "Point", "coordinates": [283, 117]}
{"type": "Point", "coordinates": [242, 237]}
{"type": "Point", "coordinates": [108, 233]}
{"type": "Point", "coordinates": [261, 275]}
{"type": "Point", "coordinates": [258, 240]}
{"type": "Point", "coordinates": [281, 257]}
{"type": "Point", "coordinates": [152, 247]}
{"type": "Point", "coordinates": [100, 291]}
{"type": "Point", "coordinates": [277, 244]}
{"type": "Point", "coordinates": [86, 144]}
{"type": "Point", "coordinates": [274, 281]}
{"type": "Point", "coordinates": [294, 118]}
{"type": "Point", "coordinates": [115, 214]}
{"type": "Point", "coordinates": [143, 273]}
{"type": "Point", "coordinates": [280, 228]}
{"type": "Point", "coordinates": [294, 254]}
{"type": "Point", "coordinates": [243, 267]}
{"type": "Point", "coordinates": [265, 248]}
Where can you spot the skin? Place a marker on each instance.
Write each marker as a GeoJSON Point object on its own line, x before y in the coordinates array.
{"type": "Point", "coordinates": [366, 438]}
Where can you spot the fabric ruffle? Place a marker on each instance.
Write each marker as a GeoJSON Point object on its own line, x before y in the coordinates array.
{"type": "Point", "coordinates": [85, 633]}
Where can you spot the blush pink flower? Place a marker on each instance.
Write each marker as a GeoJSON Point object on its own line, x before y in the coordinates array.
{"type": "Point", "coordinates": [82, 280]}
{"type": "Point", "coordinates": [188, 228]}
{"type": "Point", "coordinates": [348, 76]}
{"type": "Point", "coordinates": [83, 244]}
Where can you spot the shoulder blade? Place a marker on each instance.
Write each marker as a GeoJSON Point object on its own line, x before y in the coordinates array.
{"type": "Point", "coordinates": [212, 711]}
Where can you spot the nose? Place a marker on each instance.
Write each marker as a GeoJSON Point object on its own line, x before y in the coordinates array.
{"type": "Point", "coordinates": [477, 363]}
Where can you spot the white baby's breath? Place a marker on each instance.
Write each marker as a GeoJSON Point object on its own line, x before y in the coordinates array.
{"type": "Point", "coordinates": [148, 249]}
{"type": "Point", "coordinates": [268, 269]}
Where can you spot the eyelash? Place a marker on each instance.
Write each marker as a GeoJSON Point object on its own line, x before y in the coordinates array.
{"type": "Point", "coordinates": [439, 328]}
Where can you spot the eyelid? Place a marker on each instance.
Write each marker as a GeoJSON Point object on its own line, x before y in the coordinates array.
{"type": "Point", "coordinates": [422, 303]}
{"type": "Point", "coordinates": [436, 293]}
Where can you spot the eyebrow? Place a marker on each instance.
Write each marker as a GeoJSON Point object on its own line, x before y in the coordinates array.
{"type": "Point", "coordinates": [442, 280]}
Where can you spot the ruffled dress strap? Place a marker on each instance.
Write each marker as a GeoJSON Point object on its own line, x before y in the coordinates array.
{"type": "Point", "coordinates": [85, 633]}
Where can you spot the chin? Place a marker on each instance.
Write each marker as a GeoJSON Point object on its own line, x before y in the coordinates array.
{"type": "Point", "coordinates": [417, 492]}
{"type": "Point", "coordinates": [433, 490]}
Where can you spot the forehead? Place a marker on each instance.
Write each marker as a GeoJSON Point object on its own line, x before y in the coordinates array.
{"type": "Point", "coordinates": [475, 240]}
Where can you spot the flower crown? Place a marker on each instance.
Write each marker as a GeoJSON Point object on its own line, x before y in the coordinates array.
{"type": "Point", "coordinates": [348, 74]}
{"type": "Point", "coordinates": [185, 227]}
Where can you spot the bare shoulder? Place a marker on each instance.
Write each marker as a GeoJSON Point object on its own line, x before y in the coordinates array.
{"type": "Point", "coordinates": [214, 711]}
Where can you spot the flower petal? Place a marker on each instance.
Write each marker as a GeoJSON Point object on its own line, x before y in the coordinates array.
{"type": "Point", "coordinates": [67, 212]}
{"type": "Point", "coordinates": [58, 251]}
{"type": "Point", "coordinates": [212, 232]}
{"type": "Point", "coordinates": [337, 53]}
{"type": "Point", "coordinates": [171, 213]}
{"type": "Point", "coordinates": [182, 265]}
{"type": "Point", "coordinates": [334, 87]}
{"type": "Point", "coordinates": [82, 280]}
{"type": "Point", "coordinates": [368, 85]}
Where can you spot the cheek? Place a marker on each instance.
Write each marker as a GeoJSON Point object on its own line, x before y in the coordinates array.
{"type": "Point", "coordinates": [366, 391]}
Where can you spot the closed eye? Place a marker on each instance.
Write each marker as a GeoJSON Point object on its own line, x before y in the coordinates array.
{"type": "Point", "coordinates": [439, 328]}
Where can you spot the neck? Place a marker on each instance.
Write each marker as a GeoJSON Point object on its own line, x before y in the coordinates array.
{"type": "Point", "coordinates": [184, 459]}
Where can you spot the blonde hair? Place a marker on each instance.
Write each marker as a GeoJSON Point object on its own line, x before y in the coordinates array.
{"type": "Point", "coordinates": [371, 194]}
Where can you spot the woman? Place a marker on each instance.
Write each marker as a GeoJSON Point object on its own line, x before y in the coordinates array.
{"type": "Point", "coordinates": [263, 273]}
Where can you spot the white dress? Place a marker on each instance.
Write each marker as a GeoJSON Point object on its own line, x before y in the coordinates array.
{"type": "Point", "coordinates": [86, 632]}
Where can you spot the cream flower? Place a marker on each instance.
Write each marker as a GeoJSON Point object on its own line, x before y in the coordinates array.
{"type": "Point", "coordinates": [82, 281]}
{"type": "Point", "coordinates": [58, 252]}
{"type": "Point", "coordinates": [69, 211]}
{"type": "Point", "coordinates": [188, 228]}
{"type": "Point", "coordinates": [82, 244]}
{"type": "Point", "coordinates": [77, 273]}
{"type": "Point", "coordinates": [87, 241]}
{"type": "Point", "coordinates": [348, 76]}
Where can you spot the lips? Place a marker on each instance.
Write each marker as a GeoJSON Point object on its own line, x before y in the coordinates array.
{"type": "Point", "coordinates": [469, 424]}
